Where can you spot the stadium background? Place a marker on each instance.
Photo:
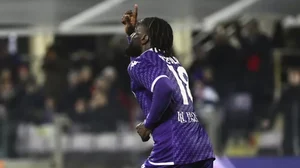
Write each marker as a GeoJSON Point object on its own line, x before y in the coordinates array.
{"type": "Point", "coordinates": [64, 90]}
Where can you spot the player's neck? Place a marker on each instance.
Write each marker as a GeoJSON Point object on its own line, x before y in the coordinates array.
{"type": "Point", "coordinates": [146, 47]}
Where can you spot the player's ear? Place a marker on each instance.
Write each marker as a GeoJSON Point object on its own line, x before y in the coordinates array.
{"type": "Point", "coordinates": [145, 39]}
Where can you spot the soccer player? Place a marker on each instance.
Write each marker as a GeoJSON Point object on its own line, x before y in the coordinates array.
{"type": "Point", "coordinates": [160, 84]}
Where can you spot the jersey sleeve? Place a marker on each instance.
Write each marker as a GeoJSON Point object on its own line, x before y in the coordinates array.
{"type": "Point", "coordinates": [147, 74]}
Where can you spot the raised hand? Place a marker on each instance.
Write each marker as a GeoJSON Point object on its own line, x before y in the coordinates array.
{"type": "Point", "coordinates": [129, 19]}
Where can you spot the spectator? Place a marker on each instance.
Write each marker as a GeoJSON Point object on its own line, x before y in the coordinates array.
{"type": "Point", "coordinates": [110, 74]}
{"type": "Point", "coordinates": [85, 82]}
{"type": "Point", "coordinates": [8, 94]}
{"type": "Point", "coordinates": [278, 35]}
{"type": "Point", "coordinates": [79, 112]}
{"type": "Point", "coordinates": [101, 85]}
{"type": "Point", "coordinates": [31, 101]}
{"type": "Point", "coordinates": [198, 65]}
{"type": "Point", "coordinates": [56, 69]}
{"type": "Point", "coordinates": [7, 61]}
{"type": "Point", "coordinates": [258, 76]}
{"type": "Point", "coordinates": [206, 99]}
{"type": "Point", "coordinates": [288, 105]}
{"type": "Point", "coordinates": [50, 109]}
{"type": "Point", "coordinates": [24, 75]}
{"type": "Point", "coordinates": [72, 92]}
{"type": "Point", "coordinates": [8, 97]}
{"type": "Point", "coordinates": [100, 111]}
{"type": "Point", "coordinates": [84, 58]}
{"type": "Point", "coordinates": [223, 60]}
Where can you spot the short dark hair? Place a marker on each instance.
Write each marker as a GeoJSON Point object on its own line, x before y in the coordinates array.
{"type": "Point", "coordinates": [161, 35]}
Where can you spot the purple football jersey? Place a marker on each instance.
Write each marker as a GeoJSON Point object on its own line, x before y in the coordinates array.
{"type": "Point", "coordinates": [179, 138]}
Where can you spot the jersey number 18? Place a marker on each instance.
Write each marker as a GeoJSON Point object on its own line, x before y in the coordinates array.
{"type": "Point", "coordinates": [182, 82]}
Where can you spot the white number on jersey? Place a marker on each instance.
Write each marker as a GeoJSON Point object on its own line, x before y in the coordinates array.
{"type": "Point", "coordinates": [183, 83]}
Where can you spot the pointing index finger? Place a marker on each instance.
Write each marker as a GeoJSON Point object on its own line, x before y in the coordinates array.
{"type": "Point", "coordinates": [135, 12]}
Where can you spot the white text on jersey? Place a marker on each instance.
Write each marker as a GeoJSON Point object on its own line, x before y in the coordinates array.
{"type": "Point", "coordinates": [187, 117]}
{"type": "Point", "coordinates": [169, 60]}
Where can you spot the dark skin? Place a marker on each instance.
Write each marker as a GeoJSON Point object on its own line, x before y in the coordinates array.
{"type": "Point", "coordinates": [129, 20]}
{"type": "Point", "coordinates": [141, 34]}
{"type": "Point", "coordinates": [140, 42]}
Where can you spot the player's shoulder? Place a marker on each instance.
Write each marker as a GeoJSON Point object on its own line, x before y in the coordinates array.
{"type": "Point", "coordinates": [139, 64]}
{"type": "Point", "coordinates": [151, 57]}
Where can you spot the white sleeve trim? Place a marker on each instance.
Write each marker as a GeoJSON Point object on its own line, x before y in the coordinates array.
{"type": "Point", "coordinates": [161, 164]}
{"type": "Point", "coordinates": [155, 80]}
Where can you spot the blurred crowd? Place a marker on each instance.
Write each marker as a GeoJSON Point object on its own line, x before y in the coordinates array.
{"type": "Point", "coordinates": [77, 87]}
{"type": "Point", "coordinates": [237, 66]}
{"type": "Point", "coordinates": [232, 76]}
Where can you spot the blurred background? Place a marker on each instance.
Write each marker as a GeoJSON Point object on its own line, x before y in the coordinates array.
{"type": "Point", "coordinates": [65, 99]}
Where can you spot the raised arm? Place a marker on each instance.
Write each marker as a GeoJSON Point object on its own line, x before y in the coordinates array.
{"type": "Point", "coordinates": [129, 20]}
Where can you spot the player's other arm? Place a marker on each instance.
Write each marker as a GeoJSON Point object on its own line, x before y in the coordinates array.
{"type": "Point", "coordinates": [162, 89]}
{"type": "Point", "coordinates": [154, 79]}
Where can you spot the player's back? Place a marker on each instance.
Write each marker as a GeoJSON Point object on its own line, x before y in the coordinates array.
{"type": "Point", "coordinates": [179, 137]}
